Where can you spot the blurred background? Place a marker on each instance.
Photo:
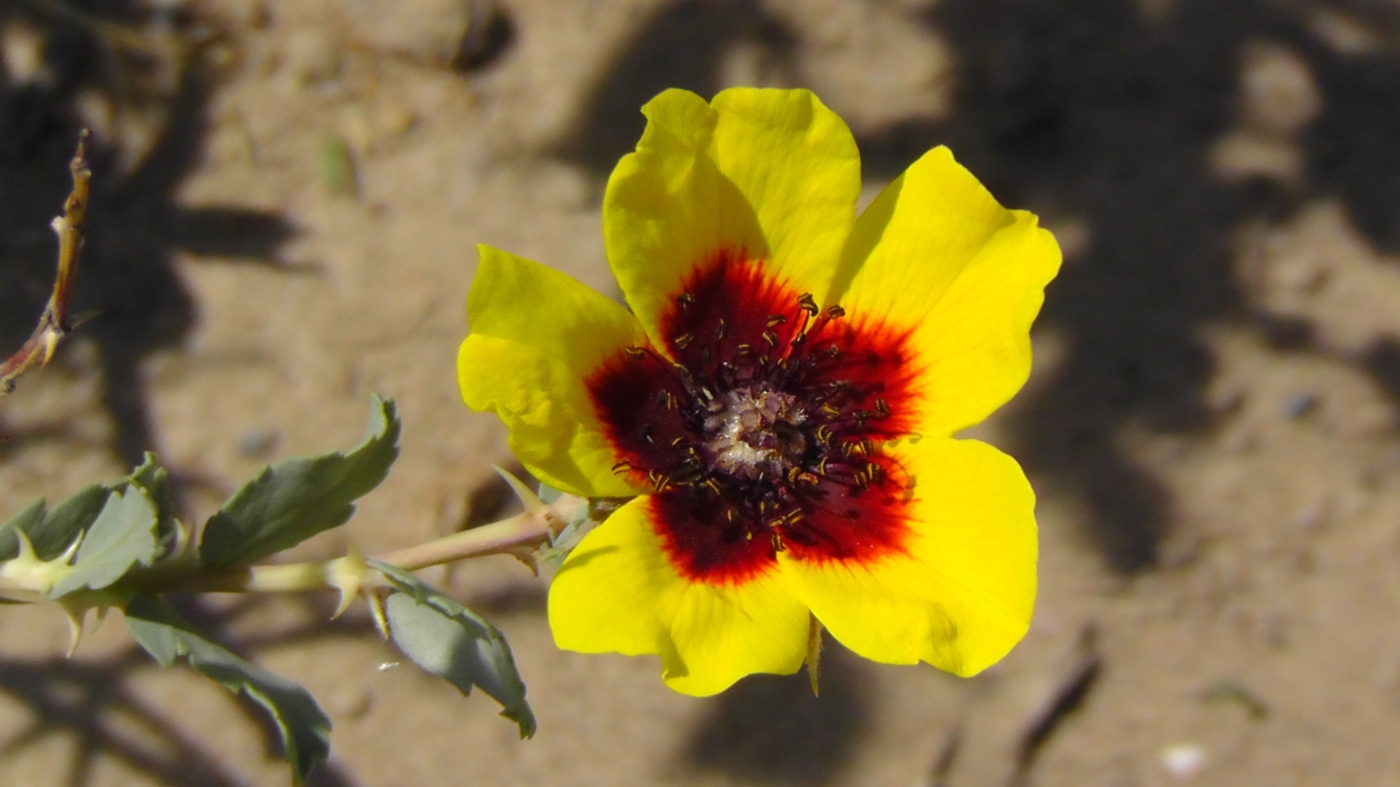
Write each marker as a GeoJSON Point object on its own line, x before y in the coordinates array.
{"type": "Point", "coordinates": [287, 194]}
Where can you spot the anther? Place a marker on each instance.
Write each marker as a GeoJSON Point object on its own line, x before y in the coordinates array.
{"type": "Point", "coordinates": [824, 433]}
{"type": "Point", "coordinates": [771, 339]}
{"type": "Point", "coordinates": [677, 442]}
{"type": "Point", "coordinates": [875, 472]}
{"type": "Point", "coordinates": [683, 340]}
{"type": "Point", "coordinates": [721, 330]}
{"type": "Point", "coordinates": [882, 408]}
{"type": "Point", "coordinates": [684, 299]}
{"type": "Point", "coordinates": [774, 320]}
{"type": "Point", "coordinates": [659, 480]}
{"type": "Point", "coordinates": [832, 312]}
{"type": "Point", "coordinates": [808, 479]}
{"type": "Point", "coordinates": [777, 541]}
{"type": "Point", "coordinates": [821, 466]}
{"type": "Point", "coordinates": [713, 485]}
{"type": "Point", "coordinates": [635, 352]}
{"type": "Point", "coordinates": [622, 467]}
{"type": "Point", "coordinates": [808, 304]}
{"type": "Point", "coordinates": [831, 409]}
{"type": "Point", "coordinates": [744, 350]}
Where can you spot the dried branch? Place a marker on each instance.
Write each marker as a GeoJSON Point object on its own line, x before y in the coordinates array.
{"type": "Point", "coordinates": [54, 323]}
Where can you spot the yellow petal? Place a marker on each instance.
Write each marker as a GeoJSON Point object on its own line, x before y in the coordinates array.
{"type": "Point", "coordinates": [962, 593]}
{"type": "Point", "coordinates": [757, 175]}
{"type": "Point", "coordinates": [619, 592]}
{"type": "Point", "coordinates": [936, 256]}
{"type": "Point", "coordinates": [536, 335]}
{"type": "Point", "coordinates": [797, 164]}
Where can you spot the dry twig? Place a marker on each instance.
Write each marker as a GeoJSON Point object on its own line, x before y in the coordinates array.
{"type": "Point", "coordinates": [54, 323]}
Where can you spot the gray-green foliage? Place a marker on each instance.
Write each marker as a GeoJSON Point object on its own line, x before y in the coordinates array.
{"type": "Point", "coordinates": [128, 536]}
{"type": "Point", "coordinates": [123, 535]}
{"type": "Point", "coordinates": [52, 531]}
{"type": "Point", "coordinates": [165, 635]}
{"type": "Point", "coordinates": [298, 498]}
{"type": "Point", "coordinates": [450, 641]}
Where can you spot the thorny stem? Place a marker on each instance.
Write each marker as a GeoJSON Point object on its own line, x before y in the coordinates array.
{"type": "Point", "coordinates": [54, 323]}
{"type": "Point", "coordinates": [519, 535]}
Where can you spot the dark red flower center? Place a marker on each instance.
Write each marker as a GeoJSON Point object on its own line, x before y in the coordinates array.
{"type": "Point", "coordinates": [760, 427]}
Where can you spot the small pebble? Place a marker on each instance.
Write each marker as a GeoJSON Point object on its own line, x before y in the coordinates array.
{"type": "Point", "coordinates": [1183, 760]}
{"type": "Point", "coordinates": [1301, 405]}
{"type": "Point", "coordinates": [257, 443]}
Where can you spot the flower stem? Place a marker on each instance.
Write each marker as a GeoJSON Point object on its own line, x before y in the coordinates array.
{"type": "Point", "coordinates": [519, 534]}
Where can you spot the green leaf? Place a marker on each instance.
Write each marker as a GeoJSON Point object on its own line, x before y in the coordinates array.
{"type": "Point", "coordinates": [124, 534]}
{"type": "Point", "coordinates": [453, 643]}
{"type": "Point", "coordinates": [153, 478]}
{"type": "Point", "coordinates": [298, 498]}
{"type": "Point", "coordinates": [166, 636]}
{"type": "Point", "coordinates": [53, 531]}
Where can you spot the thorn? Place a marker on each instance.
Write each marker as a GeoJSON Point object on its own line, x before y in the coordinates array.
{"type": "Point", "coordinates": [75, 615]}
{"type": "Point", "coordinates": [526, 555]}
{"type": "Point", "coordinates": [532, 502]}
{"type": "Point", "coordinates": [348, 579]}
{"type": "Point", "coordinates": [26, 548]}
{"type": "Point", "coordinates": [72, 550]}
{"type": "Point", "coordinates": [376, 611]}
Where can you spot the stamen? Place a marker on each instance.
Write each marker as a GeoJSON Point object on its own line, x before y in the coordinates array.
{"type": "Point", "coordinates": [774, 320]}
{"type": "Point", "coordinates": [684, 300]}
{"type": "Point", "coordinates": [635, 352]}
{"type": "Point", "coordinates": [808, 304]}
{"type": "Point", "coordinates": [683, 340]}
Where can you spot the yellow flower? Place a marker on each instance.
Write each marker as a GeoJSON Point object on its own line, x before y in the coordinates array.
{"type": "Point", "coordinates": [781, 399]}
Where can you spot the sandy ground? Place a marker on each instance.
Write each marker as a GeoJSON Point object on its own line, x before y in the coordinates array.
{"type": "Point", "coordinates": [285, 218]}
